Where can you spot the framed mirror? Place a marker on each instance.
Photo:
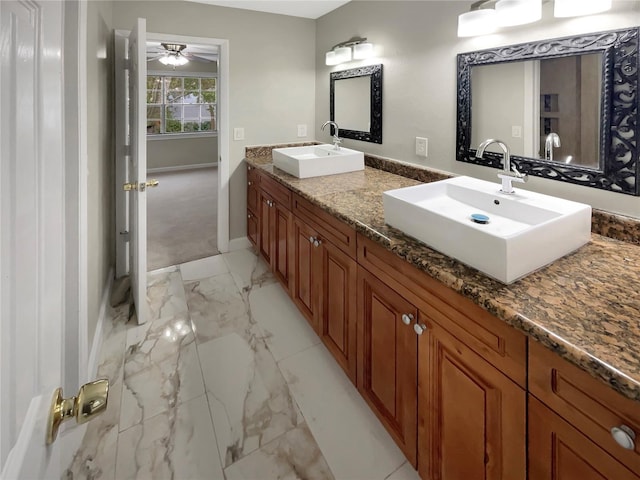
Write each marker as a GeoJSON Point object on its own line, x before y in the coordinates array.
{"type": "Point", "coordinates": [567, 108]}
{"type": "Point", "coordinates": [356, 103]}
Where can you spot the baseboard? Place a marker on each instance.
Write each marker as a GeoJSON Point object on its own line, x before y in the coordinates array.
{"type": "Point", "coordinates": [98, 338]}
{"type": "Point", "coordinates": [239, 243]}
{"type": "Point", "coordinates": [181, 167]}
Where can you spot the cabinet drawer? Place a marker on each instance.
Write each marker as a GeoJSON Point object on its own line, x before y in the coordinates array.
{"type": "Point", "coordinates": [498, 343]}
{"type": "Point", "coordinates": [280, 194]}
{"type": "Point", "coordinates": [339, 233]}
{"type": "Point", "coordinates": [588, 404]}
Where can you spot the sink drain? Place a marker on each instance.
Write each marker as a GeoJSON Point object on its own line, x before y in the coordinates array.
{"type": "Point", "coordinates": [479, 218]}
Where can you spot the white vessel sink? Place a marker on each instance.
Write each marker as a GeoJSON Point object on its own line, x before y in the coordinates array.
{"type": "Point", "coordinates": [525, 230]}
{"type": "Point", "coordinates": [317, 160]}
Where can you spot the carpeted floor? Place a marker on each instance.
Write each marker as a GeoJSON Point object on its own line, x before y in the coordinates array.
{"type": "Point", "coordinates": [181, 217]}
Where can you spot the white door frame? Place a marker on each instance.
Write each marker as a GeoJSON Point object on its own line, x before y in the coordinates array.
{"type": "Point", "coordinates": [223, 141]}
{"type": "Point", "coordinates": [223, 124]}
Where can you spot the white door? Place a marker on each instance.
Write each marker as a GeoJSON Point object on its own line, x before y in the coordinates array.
{"type": "Point", "coordinates": [32, 234]}
{"type": "Point", "coordinates": [138, 167]}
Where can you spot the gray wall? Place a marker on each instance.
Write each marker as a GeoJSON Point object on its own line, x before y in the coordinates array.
{"type": "Point", "coordinates": [420, 45]}
{"type": "Point", "coordinates": [100, 188]}
{"type": "Point", "coordinates": [180, 152]}
{"type": "Point", "coordinates": [272, 74]}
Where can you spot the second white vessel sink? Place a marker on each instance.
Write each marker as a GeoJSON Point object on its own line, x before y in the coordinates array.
{"type": "Point", "coordinates": [503, 236]}
{"type": "Point", "coordinates": [317, 160]}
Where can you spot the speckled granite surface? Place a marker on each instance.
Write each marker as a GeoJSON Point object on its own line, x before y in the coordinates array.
{"type": "Point", "coordinates": [585, 306]}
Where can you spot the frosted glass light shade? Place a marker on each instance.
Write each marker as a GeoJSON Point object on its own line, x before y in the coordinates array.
{"type": "Point", "coordinates": [576, 8]}
{"type": "Point", "coordinates": [175, 60]}
{"type": "Point", "coordinates": [518, 12]}
{"type": "Point", "coordinates": [363, 50]}
{"type": "Point", "coordinates": [343, 54]}
{"type": "Point", "coordinates": [477, 22]}
{"type": "Point", "coordinates": [330, 58]}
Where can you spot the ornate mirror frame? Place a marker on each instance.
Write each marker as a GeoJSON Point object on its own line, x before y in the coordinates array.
{"type": "Point", "coordinates": [620, 118]}
{"type": "Point", "coordinates": [374, 135]}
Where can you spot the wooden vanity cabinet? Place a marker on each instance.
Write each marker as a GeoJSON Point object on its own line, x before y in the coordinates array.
{"type": "Point", "coordinates": [472, 420]}
{"type": "Point", "coordinates": [571, 415]}
{"type": "Point", "coordinates": [253, 224]}
{"type": "Point", "coordinates": [388, 359]}
{"type": "Point", "coordinates": [449, 385]}
{"type": "Point", "coordinates": [559, 451]}
{"type": "Point", "coordinates": [275, 227]}
{"type": "Point", "coordinates": [324, 280]}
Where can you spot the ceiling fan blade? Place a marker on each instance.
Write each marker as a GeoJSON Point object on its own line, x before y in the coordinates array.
{"type": "Point", "coordinates": [197, 58]}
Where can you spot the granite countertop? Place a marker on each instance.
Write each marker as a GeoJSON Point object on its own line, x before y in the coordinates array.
{"type": "Point", "coordinates": [585, 306]}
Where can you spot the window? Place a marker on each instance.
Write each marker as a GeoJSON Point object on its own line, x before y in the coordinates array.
{"type": "Point", "coordinates": [181, 105]}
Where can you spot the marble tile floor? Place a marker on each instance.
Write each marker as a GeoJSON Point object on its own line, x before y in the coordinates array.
{"type": "Point", "coordinates": [228, 381]}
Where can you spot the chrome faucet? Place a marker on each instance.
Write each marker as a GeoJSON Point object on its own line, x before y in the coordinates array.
{"type": "Point", "coordinates": [509, 173]}
{"type": "Point", "coordinates": [336, 138]}
{"type": "Point", "coordinates": [552, 140]}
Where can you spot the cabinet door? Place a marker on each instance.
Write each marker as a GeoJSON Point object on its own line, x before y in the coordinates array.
{"type": "Point", "coordinates": [281, 224]}
{"type": "Point", "coordinates": [557, 451]}
{"type": "Point", "coordinates": [252, 194]}
{"type": "Point", "coordinates": [338, 305]}
{"type": "Point", "coordinates": [266, 229]}
{"type": "Point", "coordinates": [252, 227]}
{"type": "Point", "coordinates": [306, 273]}
{"type": "Point", "coordinates": [387, 360]}
{"type": "Point", "coordinates": [471, 416]}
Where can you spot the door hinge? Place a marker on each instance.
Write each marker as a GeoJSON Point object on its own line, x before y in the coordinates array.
{"type": "Point", "coordinates": [125, 235]}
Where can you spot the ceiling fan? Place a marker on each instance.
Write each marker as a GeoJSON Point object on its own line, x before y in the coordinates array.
{"type": "Point", "coordinates": [174, 54]}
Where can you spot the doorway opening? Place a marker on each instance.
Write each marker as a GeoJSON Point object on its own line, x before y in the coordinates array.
{"type": "Point", "coordinates": [186, 118]}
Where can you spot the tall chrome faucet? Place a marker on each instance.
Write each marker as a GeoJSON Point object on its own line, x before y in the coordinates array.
{"type": "Point", "coordinates": [336, 132]}
{"type": "Point", "coordinates": [509, 173]}
{"type": "Point", "coordinates": [552, 140]}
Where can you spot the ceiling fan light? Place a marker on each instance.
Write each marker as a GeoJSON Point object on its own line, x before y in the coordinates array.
{"type": "Point", "coordinates": [180, 60]}
{"type": "Point", "coordinates": [518, 12]}
{"type": "Point", "coordinates": [173, 60]}
{"type": "Point", "coordinates": [477, 22]}
{"type": "Point", "coordinates": [577, 8]}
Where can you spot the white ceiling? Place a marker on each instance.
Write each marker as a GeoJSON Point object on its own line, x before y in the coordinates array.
{"type": "Point", "coordinates": [296, 8]}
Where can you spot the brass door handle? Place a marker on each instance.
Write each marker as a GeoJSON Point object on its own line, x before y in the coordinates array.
{"type": "Point", "coordinates": [127, 187]}
{"type": "Point", "coordinates": [90, 402]}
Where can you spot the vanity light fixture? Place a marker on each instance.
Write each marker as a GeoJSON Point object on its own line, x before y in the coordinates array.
{"type": "Point", "coordinates": [479, 21]}
{"type": "Point", "coordinates": [482, 19]}
{"type": "Point", "coordinates": [576, 8]}
{"type": "Point", "coordinates": [357, 48]}
{"type": "Point", "coordinates": [518, 12]}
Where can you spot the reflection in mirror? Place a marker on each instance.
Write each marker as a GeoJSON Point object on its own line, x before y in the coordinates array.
{"type": "Point", "coordinates": [547, 109]}
{"type": "Point", "coordinates": [353, 103]}
{"type": "Point", "coordinates": [356, 103]}
{"type": "Point", "coordinates": [567, 107]}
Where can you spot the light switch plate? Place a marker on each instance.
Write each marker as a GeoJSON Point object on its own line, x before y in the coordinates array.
{"type": "Point", "coordinates": [302, 130]}
{"type": "Point", "coordinates": [238, 133]}
{"type": "Point", "coordinates": [421, 146]}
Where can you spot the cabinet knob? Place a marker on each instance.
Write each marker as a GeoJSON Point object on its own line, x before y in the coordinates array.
{"type": "Point", "coordinates": [311, 239]}
{"type": "Point", "coordinates": [249, 167]}
{"type": "Point", "coordinates": [248, 215]}
{"type": "Point", "coordinates": [406, 318]}
{"type": "Point", "coordinates": [624, 436]}
{"type": "Point", "coordinates": [419, 328]}
{"type": "Point", "coordinates": [249, 183]}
